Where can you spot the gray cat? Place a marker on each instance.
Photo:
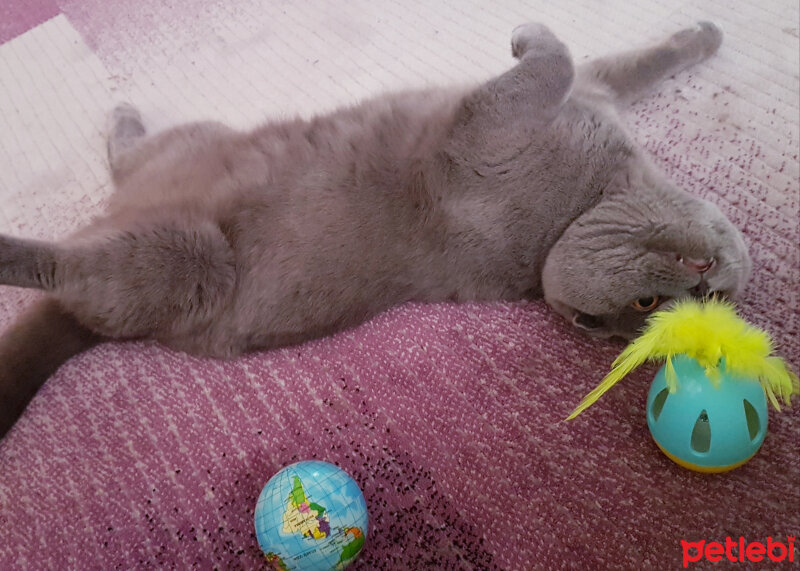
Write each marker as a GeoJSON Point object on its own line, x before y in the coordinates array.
{"type": "Point", "coordinates": [219, 242]}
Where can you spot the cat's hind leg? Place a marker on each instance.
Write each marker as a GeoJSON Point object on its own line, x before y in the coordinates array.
{"type": "Point", "coordinates": [166, 280]}
{"type": "Point", "coordinates": [159, 279]}
{"type": "Point", "coordinates": [125, 131]}
{"type": "Point", "coordinates": [629, 75]}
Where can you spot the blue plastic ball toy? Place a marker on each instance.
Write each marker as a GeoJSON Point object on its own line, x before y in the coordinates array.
{"type": "Point", "coordinates": [703, 427]}
{"type": "Point", "coordinates": [706, 423]}
{"type": "Point", "coordinates": [311, 516]}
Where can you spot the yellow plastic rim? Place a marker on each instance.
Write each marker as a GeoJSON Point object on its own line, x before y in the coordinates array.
{"type": "Point", "coordinates": [702, 469]}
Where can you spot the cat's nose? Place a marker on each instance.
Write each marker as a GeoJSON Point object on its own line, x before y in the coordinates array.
{"type": "Point", "coordinates": [700, 265]}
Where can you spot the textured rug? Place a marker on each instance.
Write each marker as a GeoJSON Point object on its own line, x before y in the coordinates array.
{"type": "Point", "coordinates": [448, 416]}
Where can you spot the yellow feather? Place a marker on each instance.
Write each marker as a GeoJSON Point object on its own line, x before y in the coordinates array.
{"type": "Point", "coordinates": [708, 332]}
{"type": "Point", "coordinates": [631, 357]}
{"type": "Point", "coordinates": [670, 376]}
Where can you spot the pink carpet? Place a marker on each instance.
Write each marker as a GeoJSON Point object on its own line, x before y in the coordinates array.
{"type": "Point", "coordinates": [448, 416]}
{"type": "Point", "coordinates": [19, 16]}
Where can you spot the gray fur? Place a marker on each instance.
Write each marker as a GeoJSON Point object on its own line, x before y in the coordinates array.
{"type": "Point", "coordinates": [219, 242]}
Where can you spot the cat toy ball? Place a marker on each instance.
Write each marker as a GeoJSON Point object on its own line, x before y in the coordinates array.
{"type": "Point", "coordinates": [707, 406]}
{"type": "Point", "coordinates": [311, 516]}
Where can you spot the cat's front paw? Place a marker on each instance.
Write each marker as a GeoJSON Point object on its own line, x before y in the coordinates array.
{"type": "Point", "coordinates": [533, 36]}
{"type": "Point", "coordinates": [701, 41]}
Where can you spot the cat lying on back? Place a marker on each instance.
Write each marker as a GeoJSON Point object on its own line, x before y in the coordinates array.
{"type": "Point", "coordinates": [219, 242]}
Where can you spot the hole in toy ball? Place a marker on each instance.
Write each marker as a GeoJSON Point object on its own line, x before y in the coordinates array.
{"type": "Point", "coordinates": [753, 423]}
{"type": "Point", "coordinates": [701, 434]}
{"type": "Point", "coordinates": [658, 403]}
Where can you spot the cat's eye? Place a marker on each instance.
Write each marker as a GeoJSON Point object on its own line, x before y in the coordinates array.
{"type": "Point", "coordinates": [646, 303]}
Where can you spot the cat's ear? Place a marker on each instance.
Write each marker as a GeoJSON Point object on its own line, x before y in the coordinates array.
{"type": "Point", "coordinates": [584, 321]}
{"type": "Point", "coordinates": [588, 323]}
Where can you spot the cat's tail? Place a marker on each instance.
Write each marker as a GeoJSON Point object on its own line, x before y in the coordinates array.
{"type": "Point", "coordinates": [35, 346]}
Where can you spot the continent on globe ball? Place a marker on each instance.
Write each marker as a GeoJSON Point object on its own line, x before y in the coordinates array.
{"type": "Point", "coordinates": [311, 516]}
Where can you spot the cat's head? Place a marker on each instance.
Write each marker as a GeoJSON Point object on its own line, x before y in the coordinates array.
{"type": "Point", "coordinates": [642, 246]}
